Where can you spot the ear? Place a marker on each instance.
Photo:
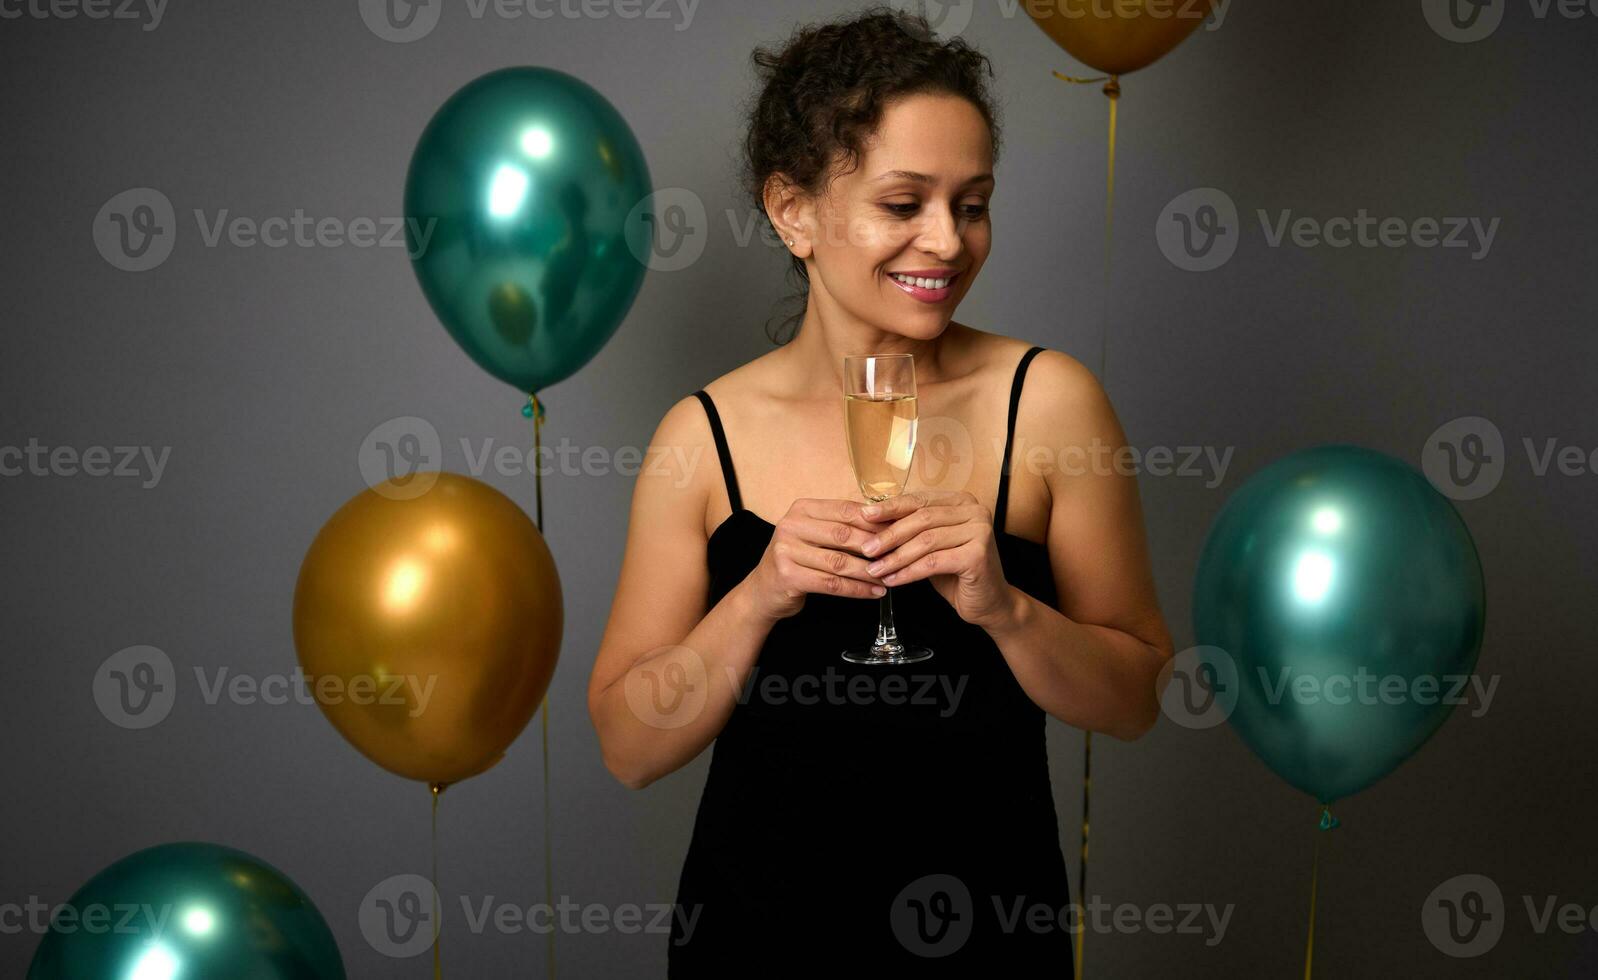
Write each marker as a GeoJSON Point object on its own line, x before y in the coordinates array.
{"type": "Point", "coordinates": [791, 214]}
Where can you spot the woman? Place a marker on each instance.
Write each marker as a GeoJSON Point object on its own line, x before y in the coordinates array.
{"type": "Point", "coordinates": [868, 815]}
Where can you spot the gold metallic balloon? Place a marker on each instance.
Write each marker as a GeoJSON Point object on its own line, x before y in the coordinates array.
{"type": "Point", "coordinates": [428, 619]}
{"type": "Point", "coordinates": [1118, 36]}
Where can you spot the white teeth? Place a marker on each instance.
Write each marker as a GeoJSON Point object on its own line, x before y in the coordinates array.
{"type": "Point", "coordinates": [923, 283]}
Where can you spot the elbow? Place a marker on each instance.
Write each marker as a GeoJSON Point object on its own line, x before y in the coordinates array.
{"type": "Point", "coordinates": [625, 771]}
{"type": "Point", "coordinates": [1145, 708]}
{"type": "Point", "coordinates": [1135, 730]}
{"type": "Point", "coordinates": [629, 776]}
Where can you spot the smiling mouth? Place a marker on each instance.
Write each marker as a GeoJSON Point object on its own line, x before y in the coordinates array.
{"type": "Point", "coordinates": [923, 283]}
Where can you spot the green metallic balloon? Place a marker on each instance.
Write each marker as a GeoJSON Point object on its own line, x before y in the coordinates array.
{"type": "Point", "coordinates": [188, 911]}
{"type": "Point", "coordinates": [1339, 596]}
{"type": "Point", "coordinates": [528, 222]}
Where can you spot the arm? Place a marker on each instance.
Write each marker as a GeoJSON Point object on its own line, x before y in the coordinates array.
{"type": "Point", "coordinates": [1095, 662]}
{"type": "Point", "coordinates": [668, 672]}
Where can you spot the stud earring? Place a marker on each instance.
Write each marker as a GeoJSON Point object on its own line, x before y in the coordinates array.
{"type": "Point", "coordinates": [790, 241]}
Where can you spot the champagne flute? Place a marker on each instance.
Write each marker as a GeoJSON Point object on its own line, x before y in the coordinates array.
{"type": "Point", "coordinates": [879, 416]}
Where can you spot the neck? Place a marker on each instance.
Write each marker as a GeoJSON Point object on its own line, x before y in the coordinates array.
{"type": "Point", "coordinates": [827, 334]}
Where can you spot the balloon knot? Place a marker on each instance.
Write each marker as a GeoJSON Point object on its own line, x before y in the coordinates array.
{"type": "Point", "coordinates": [533, 406]}
{"type": "Point", "coordinates": [1112, 88]}
{"type": "Point", "coordinates": [1328, 821]}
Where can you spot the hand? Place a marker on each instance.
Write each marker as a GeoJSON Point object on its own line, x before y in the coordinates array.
{"type": "Point", "coordinates": [815, 548]}
{"type": "Point", "coordinates": [947, 536]}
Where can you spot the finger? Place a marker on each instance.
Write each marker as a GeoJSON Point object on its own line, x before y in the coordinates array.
{"type": "Point", "coordinates": [949, 561]}
{"type": "Point", "coordinates": [827, 583]}
{"type": "Point", "coordinates": [895, 507]}
{"type": "Point", "coordinates": [910, 501]}
{"type": "Point", "coordinates": [834, 534]}
{"type": "Point", "coordinates": [918, 522]}
{"type": "Point", "coordinates": [828, 561]}
{"type": "Point", "coordinates": [928, 541]}
{"type": "Point", "coordinates": [839, 510]}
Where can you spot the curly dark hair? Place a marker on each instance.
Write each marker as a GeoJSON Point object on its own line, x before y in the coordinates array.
{"type": "Point", "coordinates": [823, 95]}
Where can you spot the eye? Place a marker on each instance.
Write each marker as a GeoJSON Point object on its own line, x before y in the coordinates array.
{"type": "Point", "coordinates": [975, 210]}
{"type": "Point", "coordinates": [900, 209]}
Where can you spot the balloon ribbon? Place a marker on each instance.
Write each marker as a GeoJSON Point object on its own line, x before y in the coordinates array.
{"type": "Point", "coordinates": [1327, 823]}
{"type": "Point", "coordinates": [1112, 89]}
{"type": "Point", "coordinates": [437, 791]}
{"type": "Point", "coordinates": [534, 409]}
{"type": "Point", "coordinates": [1082, 870]}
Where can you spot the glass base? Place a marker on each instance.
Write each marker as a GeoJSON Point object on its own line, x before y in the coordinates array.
{"type": "Point", "coordinates": [888, 653]}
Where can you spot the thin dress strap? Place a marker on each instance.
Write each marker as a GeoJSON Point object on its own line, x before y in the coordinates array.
{"type": "Point", "coordinates": [1001, 508]}
{"type": "Point", "coordinates": [727, 471]}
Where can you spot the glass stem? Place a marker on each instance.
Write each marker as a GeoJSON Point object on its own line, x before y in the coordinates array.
{"type": "Point", "coordinates": [886, 633]}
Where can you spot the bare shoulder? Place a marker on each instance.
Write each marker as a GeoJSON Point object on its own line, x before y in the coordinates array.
{"type": "Point", "coordinates": [673, 475]}
{"type": "Point", "coordinates": [1065, 409]}
{"type": "Point", "coordinates": [1062, 387]}
{"type": "Point", "coordinates": [752, 376]}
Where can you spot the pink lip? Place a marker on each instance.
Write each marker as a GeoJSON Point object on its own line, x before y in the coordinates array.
{"type": "Point", "coordinates": [927, 295]}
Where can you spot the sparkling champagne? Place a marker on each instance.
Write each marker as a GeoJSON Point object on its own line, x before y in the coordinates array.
{"type": "Point", "coordinates": [882, 439]}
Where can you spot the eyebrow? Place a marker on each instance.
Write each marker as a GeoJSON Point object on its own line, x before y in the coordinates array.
{"type": "Point", "coordinates": [923, 178]}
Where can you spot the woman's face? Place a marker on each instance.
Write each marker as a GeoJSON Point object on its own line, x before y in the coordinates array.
{"type": "Point", "coordinates": [917, 204]}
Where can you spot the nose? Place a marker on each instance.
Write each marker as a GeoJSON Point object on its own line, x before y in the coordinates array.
{"type": "Point", "coordinates": [940, 234]}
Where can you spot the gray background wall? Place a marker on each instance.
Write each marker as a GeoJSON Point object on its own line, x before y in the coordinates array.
{"type": "Point", "coordinates": [265, 369]}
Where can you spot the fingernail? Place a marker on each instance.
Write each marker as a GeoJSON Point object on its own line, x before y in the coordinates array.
{"type": "Point", "coordinates": [875, 567]}
{"type": "Point", "coordinates": [871, 545]}
{"type": "Point", "coordinates": [871, 510]}
{"type": "Point", "coordinates": [878, 590]}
